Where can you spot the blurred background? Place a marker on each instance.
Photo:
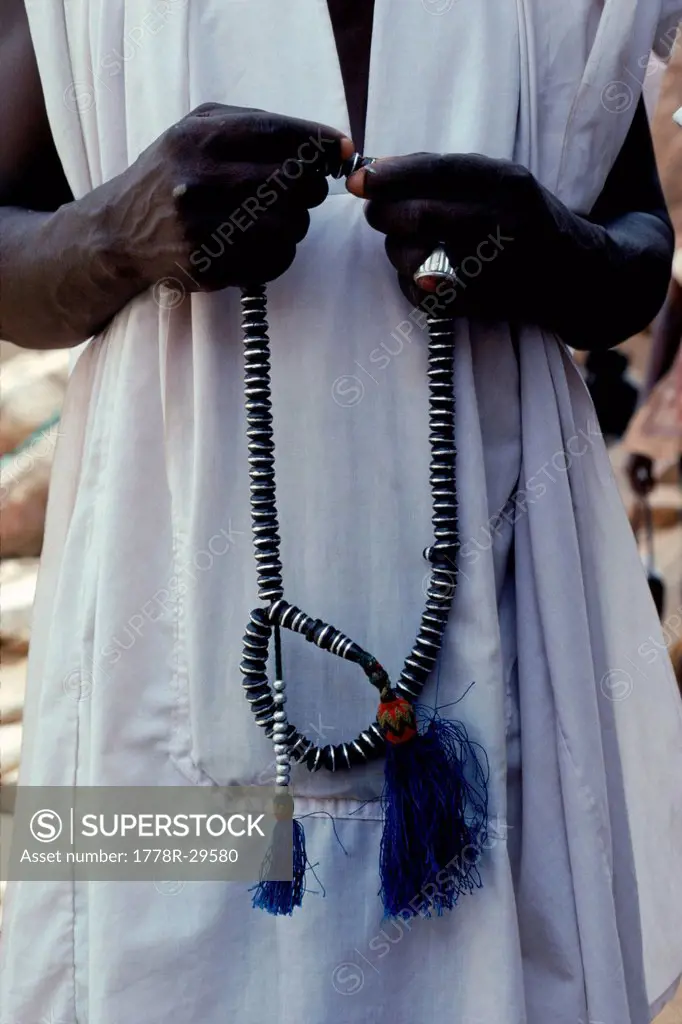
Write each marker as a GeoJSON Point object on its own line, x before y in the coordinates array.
{"type": "Point", "coordinates": [33, 384]}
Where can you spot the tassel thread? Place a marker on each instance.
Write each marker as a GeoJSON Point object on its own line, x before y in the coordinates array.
{"type": "Point", "coordinates": [435, 806]}
{"type": "Point", "coordinates": [288, 846]}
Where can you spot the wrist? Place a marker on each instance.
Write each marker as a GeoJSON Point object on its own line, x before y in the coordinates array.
{"type": "Point", "coordinates": [90, 270]}
{"type": "Point", "coordinates": [111, 227]}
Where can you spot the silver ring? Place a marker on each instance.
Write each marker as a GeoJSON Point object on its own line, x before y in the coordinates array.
{"type": "Point", "coordinates": [436, 268]}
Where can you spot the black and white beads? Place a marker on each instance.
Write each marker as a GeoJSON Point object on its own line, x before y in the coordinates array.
{"type": "Point", "coordinates": [267, 702]}
{"type": "Point", "coordinates": [442, 555]}
{"type": "Point", "coordinates": [261, 445]}
{"type": "Point", "coordinates": [280, 734]}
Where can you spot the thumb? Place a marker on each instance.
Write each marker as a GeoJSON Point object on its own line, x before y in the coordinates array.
{"type": "Point", "coordinates": [356, 182]}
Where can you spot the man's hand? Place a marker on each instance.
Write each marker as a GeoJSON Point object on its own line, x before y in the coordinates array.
{"type": "Point", "coordinates": [520, 254]}
{"type": "Point", "coordinates": [478, 208]}
{"type": "Point", "coordinates": [224, 196]}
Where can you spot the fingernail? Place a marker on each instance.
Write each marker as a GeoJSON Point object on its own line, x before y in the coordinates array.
{"type": "Point", "coordinates": [356, 182]}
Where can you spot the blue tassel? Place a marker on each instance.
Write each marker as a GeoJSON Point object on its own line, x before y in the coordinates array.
{"type": "Point", "coordinates": [435, 806]}
{"type": "Point", "coordinates": [283, 897]}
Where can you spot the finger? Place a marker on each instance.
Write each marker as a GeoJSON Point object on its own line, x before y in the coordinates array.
{"type": "Point", "coordinates": [279, 225]}
{"type": "Point", "coordinates": [262, 267]}
{"type": "Point", "coordinates": [410, 290]}
{"type": "Point", "coordinates": [222, 254]}
{"type": "Point", "coordinates": [253, 135]}
{"type": "Point", "coordinates": [426, 220]}
{"type": "Point", "coordinates": [268, 231]}
{"type": "Point", "coordinates": [355, 182]}
{"type": "Point", "coordinates": [405, 257]}
{"type": "Point", "coordinates": [252, 269]}
{"type": "Point", "coordinates": [430, 176]}
{"type": "Point", "coordinates": [251, 188]}
{"type": "Point", "coordinates": [302, 187]}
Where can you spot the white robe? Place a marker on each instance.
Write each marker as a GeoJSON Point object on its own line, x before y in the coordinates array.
{"type": "Point", "coordinates": [147, 575]}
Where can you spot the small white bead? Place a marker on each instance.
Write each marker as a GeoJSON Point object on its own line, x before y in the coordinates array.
{"type": "Point", "coordinates": [281, 748]}
{"type": "Point", "coordinates": [279, 686]}
{"type": "Point", "coordinates": [280, 727]}
{"type": "Point", "coordinates": [280, 716]}
{"type": "Point", "coordinates": [282, 759]}
{"type": "Point", "coordinates": [279, 698]}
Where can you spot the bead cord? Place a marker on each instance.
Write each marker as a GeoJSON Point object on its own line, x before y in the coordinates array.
{"type": "Point", "coordinates": [442, 554]}
{"type": "Point", "coordinates": [261, 446]}
{"type": "Point", "coordinates": [267, 702]}
{"type": "Point", "coordinates": [263, 698]}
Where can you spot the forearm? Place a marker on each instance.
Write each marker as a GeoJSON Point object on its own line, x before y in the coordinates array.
{"type": "Point", "coordinates": [619, 269]}
{"type": "Point", "coordinates": [612, 283]}
{"type": "Point", "coordinates": [63, 275]}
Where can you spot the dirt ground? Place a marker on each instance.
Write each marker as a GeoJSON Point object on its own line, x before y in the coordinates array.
{"type": "Point", "coordinates": [673, 1012]}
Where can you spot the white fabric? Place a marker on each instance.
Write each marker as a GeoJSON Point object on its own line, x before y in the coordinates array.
{"type": "Point", "coordinates": [147, 575]}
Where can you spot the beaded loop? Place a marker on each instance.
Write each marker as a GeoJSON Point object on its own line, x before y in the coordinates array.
{"type": "Point", "coordinates": [267, 702]}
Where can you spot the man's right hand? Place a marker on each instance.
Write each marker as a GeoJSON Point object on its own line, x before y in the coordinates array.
{"type": "Point", "coordinates": [223, 195]}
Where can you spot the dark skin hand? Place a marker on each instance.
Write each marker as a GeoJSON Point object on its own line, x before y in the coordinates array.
{"type": "Point", "coordinates": [521, 255]}
{"type": "Point", "coordinates": [86, 260]}
{"type": "Point", "coordinates": [222, 197]}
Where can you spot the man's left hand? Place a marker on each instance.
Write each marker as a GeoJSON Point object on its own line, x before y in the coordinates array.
{"type": "Point", "coordinates": [497, 224]}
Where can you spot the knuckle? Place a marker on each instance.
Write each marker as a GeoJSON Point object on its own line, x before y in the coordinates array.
{"type": "Point", "coordinates": [280, 261]}
{"type": "Point", "coordinates": [522, 179]}
{"type": "Point", "coordinates": [316, 191]}
{"type": "Point", "coordinates": [419, 218]}
{"type": "Point", "coordinates": [374, 212]}
{"type": "Point", "coordinates": [205, 110]}
{"type": "Point", "coordinates": [186, 192]}
{"type": "Point", "coordinates": [444, 164]}
{"type": "Point", "coordinates": [264, 123]}
{"type": "Point", "coordinates": [300, 225]}
{"type": "Point", "coordinates": [393, 250]}
{"type": "Point", "coordinates": [176, 139]}
{"type": "Point", "coordinates": [400, 257]}
{"type": "Point", "coordinates": [175, 132]}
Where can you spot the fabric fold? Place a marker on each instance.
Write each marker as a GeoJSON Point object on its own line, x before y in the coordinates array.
{"type": "Point", "coordinates": [583, 729]}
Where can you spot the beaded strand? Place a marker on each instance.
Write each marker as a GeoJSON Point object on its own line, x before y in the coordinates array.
{"type": "Point", "coordinates": [267, 702]}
